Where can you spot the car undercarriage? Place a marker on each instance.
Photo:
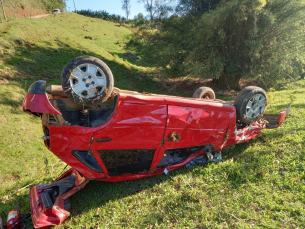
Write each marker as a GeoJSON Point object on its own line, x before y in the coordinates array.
{"type": "Point", "coordinates": [108, 134]}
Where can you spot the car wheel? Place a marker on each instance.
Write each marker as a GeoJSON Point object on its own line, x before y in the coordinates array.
{"type": "Point", "coordinates": [250, 104]}
{"type": "Point", "coordinates": [87, 80]}
{"type": "Point", "coordinates": [204, 93]}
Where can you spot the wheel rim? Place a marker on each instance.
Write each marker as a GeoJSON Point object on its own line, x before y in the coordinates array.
{"type": "Point", "coordinates": [256, 106]}
{"type": "Point", "coordinates": [88, 81]}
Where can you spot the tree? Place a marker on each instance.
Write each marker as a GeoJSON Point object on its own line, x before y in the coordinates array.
{"type": "Point", "coordinates": [257, 39]}
{"type": "Point", "coordinates": [249, 39]}
{"type": "Point", "coordinates": [196, 7]}
{"type": "Point", "coordinates": [157, 8]}
{"type": "Point", "coordinates": [126, 8]}
{"type": "Point", "coordinates": [139, 20]}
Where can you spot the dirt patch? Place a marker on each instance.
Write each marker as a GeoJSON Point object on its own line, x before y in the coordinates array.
{"type": "Point", "coordinates": [3, 81]}
{"type": "Point", "coordinates": [248, 82]}
{"type": "Point", "coordinates": [187, 86]}
{"type": "Point", "coordinates": [184, 86]}
{"type": "Point", "coordinates": [16, 177]}
{"type": "Point", "coordinates": [27, 13]}
{"type": "Point", "coordinates": [119, 25]}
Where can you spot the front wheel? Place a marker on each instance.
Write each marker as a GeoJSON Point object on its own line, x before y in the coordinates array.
{"type": "Point", "coordinates": [250, 104]}
{"type": "Point", "coordinates": [87, 80]}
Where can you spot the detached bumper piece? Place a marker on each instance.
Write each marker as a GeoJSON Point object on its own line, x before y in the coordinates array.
{"type": "Point", "coordinates": [49, 202]}
{"type": "Point", "coordinates": [274, 120]}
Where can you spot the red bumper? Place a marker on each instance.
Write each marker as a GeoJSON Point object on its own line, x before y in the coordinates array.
{"type": "Point", "coordinates": [49, 205]}
{"type": "Point", "coordinates": [36, 100]}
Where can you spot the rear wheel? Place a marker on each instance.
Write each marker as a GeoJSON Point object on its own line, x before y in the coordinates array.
{"type": "Point", "coordinates": [204, 93]}
{"type": "Point", "coordinates": [87, 80]}
{"type": "Point", "coordinates": [250, 104]}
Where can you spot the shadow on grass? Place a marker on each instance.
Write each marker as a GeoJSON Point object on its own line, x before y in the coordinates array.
{"type": "Point", "coordinates": [98, 193]}
{"type": "Point", "coordinates": [43, 62]}
{"type": "Point", "coordinates": [294, 106]}
{"type": "Point", "coordinates": [7, 98]}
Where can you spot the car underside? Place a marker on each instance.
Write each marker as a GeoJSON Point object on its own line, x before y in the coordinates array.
{"type": "Point", "coordinates": [108, 134]}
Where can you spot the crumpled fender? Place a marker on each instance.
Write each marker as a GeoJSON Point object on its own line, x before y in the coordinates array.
{"type": "Point", "coordinates": [55, 213]}
{"type": "Point", "coordinates": [269, 121]}
{"type": "Point", "coordinates": [36, 100]}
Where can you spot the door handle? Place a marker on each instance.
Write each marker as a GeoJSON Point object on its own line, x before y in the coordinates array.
{"type": "Point", "coordinates": [103, 139]}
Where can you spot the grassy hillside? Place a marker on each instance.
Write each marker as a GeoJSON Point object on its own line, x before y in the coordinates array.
{"type": "Point", "coordinates": [258, 184]}
{"type": "Point", "coordinates": [40, 48]}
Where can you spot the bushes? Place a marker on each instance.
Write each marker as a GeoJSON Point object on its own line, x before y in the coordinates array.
{"type": "Point", "coordinates": [103, 15]}
{"type": "Point", "coordinates": [256, 39]}
{"type": "Point", "coordinates": [52, 4]}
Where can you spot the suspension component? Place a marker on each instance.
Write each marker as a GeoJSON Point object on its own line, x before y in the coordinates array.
{"type": "Point", "coordinates": [84, 117]}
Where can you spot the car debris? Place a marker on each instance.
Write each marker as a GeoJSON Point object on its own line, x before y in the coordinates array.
{"type": "Point", "coordinates": [108, 134]}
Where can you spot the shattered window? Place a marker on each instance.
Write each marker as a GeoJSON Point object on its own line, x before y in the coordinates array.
{"type": "Point", "coordinates": [120, 162]}
{"type": "Point", "coordinates": [175, 156]}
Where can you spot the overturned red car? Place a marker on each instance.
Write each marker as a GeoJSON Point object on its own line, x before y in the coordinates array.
{"type": "Point", "coordinates": [108, 134]}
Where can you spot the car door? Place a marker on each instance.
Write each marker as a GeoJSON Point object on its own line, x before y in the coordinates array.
{"type": "Point", "coordinates": [195, 126]}
{"type": "Point", "coordinates": [189, 128]}
{"type": "Point", "coordinates": [129, 143]}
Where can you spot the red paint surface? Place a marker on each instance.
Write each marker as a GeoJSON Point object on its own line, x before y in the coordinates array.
{"type": "Point", "coordinates": [42, 216]}
{"type": "Point", "coordinates": [136, 126]}
{"type": "Point", "coordinates": [38, 103]}
{"type": "Point", "coordinates": [196, 126]}
{"type": "Point", "coordinates": [146, 122]}
{"type": "Point", "coordinates": [282, 117]}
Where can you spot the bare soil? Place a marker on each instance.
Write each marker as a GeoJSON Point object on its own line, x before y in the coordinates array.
{"type": "Point", "coordinates": [27, 13]}
{"type": "Point", "coordinates": [189, 85]}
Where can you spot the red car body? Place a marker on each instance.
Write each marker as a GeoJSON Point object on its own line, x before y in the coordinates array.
{"type": "Point", "coordinates": [157, 133]}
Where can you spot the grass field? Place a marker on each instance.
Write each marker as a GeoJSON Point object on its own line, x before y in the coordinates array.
{"type": "Point", "coordinates": [259, 184]}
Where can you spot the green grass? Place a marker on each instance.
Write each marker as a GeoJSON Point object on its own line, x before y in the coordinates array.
{"type": "Point", "coordinates": [260, 183]}
{"type": "Point", "coordinates": [32, 49]}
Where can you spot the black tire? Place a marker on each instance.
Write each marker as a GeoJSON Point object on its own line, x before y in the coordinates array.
{"type": "Point", "coordinates": [250, 104]}
{"type": "Point", "coordinates": [204, 93]}
{"type": "Point", "coordinates": [99, 93]}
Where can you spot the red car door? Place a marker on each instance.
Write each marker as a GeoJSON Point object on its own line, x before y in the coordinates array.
{"type": "Point", "coordinates": [195, 126]}
{"type": "Point", "coordinates": [129, 143]}
{"type": "Point", "coordinates": [189, 128]}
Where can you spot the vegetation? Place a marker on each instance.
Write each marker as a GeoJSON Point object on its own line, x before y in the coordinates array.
{"type": "Point", "coordinates": [126, 8]}
{"type": "Point", "coordinates": [157, 9]}
{"type": "Point", "coordinates": [102, 14]}
{"type": "Point", "coordinates": [52, 4]}
{"type": "Point", "coordinates": [229, 40]}
{"type": "Point", "coordinates": [258, 184]}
